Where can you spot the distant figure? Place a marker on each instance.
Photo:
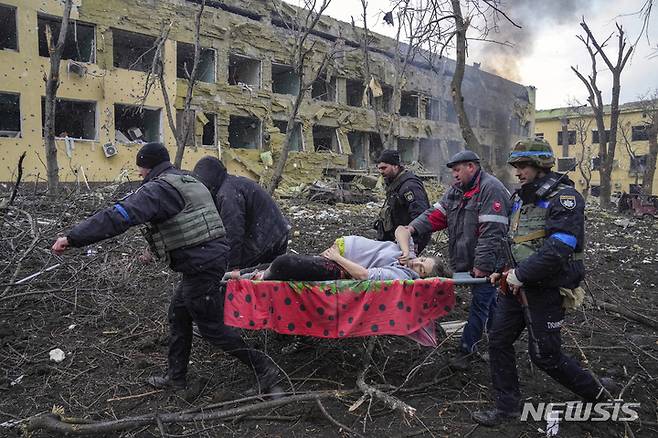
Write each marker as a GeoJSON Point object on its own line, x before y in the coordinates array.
{"type": "Point", "coordinates": [406, 199]}
{"type": "Point", "coordinates": [624, 203]}
{"type": "Point", "coordinates": [256, 230]}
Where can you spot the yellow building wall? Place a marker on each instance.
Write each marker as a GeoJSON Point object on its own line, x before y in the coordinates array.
{"type": "Point", "coordinates": [621, 174]}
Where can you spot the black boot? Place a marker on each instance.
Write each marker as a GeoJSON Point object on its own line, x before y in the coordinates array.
{"type": "Point", "coordinates": [493, 417]}
{"type": "Point", "coordinates": [166, 382]}
{"type": "Point", "coordinates": [461, 361]}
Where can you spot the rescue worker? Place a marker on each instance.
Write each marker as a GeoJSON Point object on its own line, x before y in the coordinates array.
{"type": "Point", "coordinates": [256, 230]}
{"type": "Point", "coordinates": [184, 229]}
{"type": "Point", "coordinates": [547, 238]}
{"type": "Point", "coordinates": [475, 212]}
{"type": "Point", "coordinates": [406, 199]}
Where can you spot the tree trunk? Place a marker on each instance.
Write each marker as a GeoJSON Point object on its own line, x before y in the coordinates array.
{"type": "Point", "coordinates": [52, 84]}
{"type": "Point", "coordinates": [650, 168]}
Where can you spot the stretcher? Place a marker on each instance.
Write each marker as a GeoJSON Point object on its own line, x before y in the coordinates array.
{"type": "Point", "coordinates": [343, 308]}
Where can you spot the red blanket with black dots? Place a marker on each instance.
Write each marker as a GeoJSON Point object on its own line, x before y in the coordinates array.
{"type": "Point", "coordinates": [338, 309]}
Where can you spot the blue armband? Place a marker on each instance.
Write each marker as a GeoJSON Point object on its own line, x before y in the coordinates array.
{"type": "Point", "coordinates": [568, 239]}
{"type": "Point", "coordinates": [122, 211]}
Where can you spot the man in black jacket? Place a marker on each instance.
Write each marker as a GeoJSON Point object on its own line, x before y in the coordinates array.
{"type": "Point", "coordinates": [184, 229]}
{"type": "Point", "coordinates": [406, 199]}
{"type": "Point", "coordinates": [256, 230]}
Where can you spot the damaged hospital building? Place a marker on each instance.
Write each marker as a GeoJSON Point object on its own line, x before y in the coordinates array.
{"type": "Point", "coordinates": [244, 95]}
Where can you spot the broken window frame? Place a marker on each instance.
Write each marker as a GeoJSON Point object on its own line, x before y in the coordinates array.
{"type": "Point", "coordinates": [354, 98]}
{"type": "Point", "coordinates": [358, 159]}
{"type": "Point", "coordinates": [11, 133]}
{"type": "Point", "coordinates": [429, 153]}
{"type": "Point", "coordinates": [259, 73]}
{"type": "Point", "coordinates": [328, 93]}
{"type": "Point", "coordinates": [66, 112]}
{"type": "Point", "coordinates": [259, 143]}
{"type": "Point", "coordinates": [336, 146]}
{"type": "Point", "coordinates": [289, 70]}
{"type": "Point", "coordinates": [182, 72]}
{"type": "Point", "coordinates": [70, 44]}
{"type": "Point", "coordinates": [212, 121]}
{"type": "Point", "coordinates": [12, 34]}
{"type": "Point", "coordinates": [127, 62]}
{"type": "Point", "coordinates": [407, 108]}
{"type": "Point", "coordinates": [284, 124]}
{"type": "Point", "coordinates": [433, 109]}
{"type": "Point", "coordinates": [408, 143]}
{"type": "Point", "coordinates": [143, 129]}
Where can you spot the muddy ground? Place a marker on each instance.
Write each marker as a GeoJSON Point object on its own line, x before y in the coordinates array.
{"type": "Point", "coordinates": [107, 312]}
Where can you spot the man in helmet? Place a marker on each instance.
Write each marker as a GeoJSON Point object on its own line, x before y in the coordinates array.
{"type": "Point", "coordinates": [546, 238]}
{"type": "Point", "coordinates": [185, 230]}
{"type": "Point", "coordinates": [474, 210]}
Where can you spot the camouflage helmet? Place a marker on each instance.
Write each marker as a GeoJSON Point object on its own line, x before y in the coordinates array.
{"type": "Point", "coordinates": [535, 151]}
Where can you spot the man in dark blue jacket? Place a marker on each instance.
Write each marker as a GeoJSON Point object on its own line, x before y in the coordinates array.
{"type": "Point", "coordinates": [256, 230]}
{"type": "Point", "coordinates": [185, 230]}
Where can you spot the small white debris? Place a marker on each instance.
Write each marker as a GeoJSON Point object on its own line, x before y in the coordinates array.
{"type": "Point", "coordinates": [17, 380]}
{"type": "Point", "coordinates": [57, 355]}
{"type": "Point", "coordinates": [72, 326]}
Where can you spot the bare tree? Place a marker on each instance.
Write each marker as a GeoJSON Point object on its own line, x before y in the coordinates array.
{"type": "Point", "coordinates": [650, 114]}
{"type": "Point", "coordinates": [52, 84]}
{"type": "Point", "coordinates": [582, 127]}
{"type": "Point", "coordinates": [607, 143]}
{"type": "Point", "coordinates": [183, 128]}
{"type": "Point", "coordinates": [301, 51]}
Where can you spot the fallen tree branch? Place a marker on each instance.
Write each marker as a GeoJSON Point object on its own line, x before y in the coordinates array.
{"type": "Point", "coordinates": [334, 421]}
{"type": "Point", "coordinates": [57, 423]}
{"type": "Point", "coordinates": [630, 314]}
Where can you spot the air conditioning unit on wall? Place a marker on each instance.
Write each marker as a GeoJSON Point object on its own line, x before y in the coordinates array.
{"type": "Point", "coordinates": [110, 150]}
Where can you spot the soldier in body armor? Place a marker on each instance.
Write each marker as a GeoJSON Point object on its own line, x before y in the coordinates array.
{"type": "Point", "coordinates": [547, 237]}
{"type": "Point", "coordinates": [185, 230]}
{"type": "Point", "coordinates": [406, 199]}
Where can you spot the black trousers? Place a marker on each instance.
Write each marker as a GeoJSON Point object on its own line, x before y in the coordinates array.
{"type": "Point", "coordinates": [304, 268]}
{"type": "Point", "coordinates": [200, 298]}
{"type": "Point", "coordinates": [508, 323]}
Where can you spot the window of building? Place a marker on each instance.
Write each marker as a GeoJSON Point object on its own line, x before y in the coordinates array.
{"type": "Point", "coordinates": [566, 164]}
{"type": "Point", "coordinates": [408, 149]}
{"type": "Point", "coordinates": [595, 135]}
{"type": "Point", "coordinates": [429, 153]}
{"type": "Point", "coordinates": [8, 29]}
{"type": "Point", "coordinates": [80, 42]}
{"type": "Point", "coordinates": [244, 132]}
{"type": "Point", "coordinates": [133, 51]}
{"type": "Point", "coordinates": [10, 115]}
{"type": "Point", "coordinates": [433, 109]}
{"type": "Point", "coordinates": [409, 104]}
{"type": "Point", "coordinates": [284, 80]}
{"type": "Point", "coordinates": [242, 69]}
{"type": "Point", "coordinates": [296, 139]}
{"type": "Point", "coordinates": [596, 163]}
{"type": "Point", "coordinates": [357, 141]}
{"type": "Point", "coordinates": [639, 133]}
{"type": "Point", "coordinates": [451, 114]}
{"type": "Point", "coordinates": [383, 102]}
{"type": "Point", "coordinates": [486, 119]}
{"type": "Point", "coordinates": [638, 163]}
{"type": "Point", "coordinates": [324, 88]}
{"type": "Point", "coordinates": [135, 124]}
{"type": "Point", "coordinates": [354, 92]}
{"type": "Point", "coordinates": [73, 118]}
{"type": "Point", "coordinates": [209, 132]}
{"type": "Point", "coordinates": [325, 139]}
{"type": "Point", "coordinates": [375, 147]}
{"type": "Point", "coordinates": [472, 113]}
{"type": "Point", "coordinates": [205, 71]}
{"type": "Point", "coordinates": [572, 137]}
{"type": "Point", "coordinates": [455, 146]}
{"type": "Point", "coordinates": [539, 135]}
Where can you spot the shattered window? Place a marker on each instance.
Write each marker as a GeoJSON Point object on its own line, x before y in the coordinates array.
{"type": "Point", "coordinates": [208, 136]}
{"type": "Point", "coordinates": [79, 44]}
{"type": "Point", "coordinates": [296, 143]}
{"type": "Point", "coordinates": [324, 89]}
{"type": "Point", "coordinates": [640, 133]}
{"type": "Point", "coordinates": [325, 139]}
{"type": "Point", "coordinates": [133, 51]}
{"type": "Point", "coordinates": [185, 62]}
{"type": "Point", "coordinates": [73, 118]}
{"type": "Point", "coordinates": [242, 69]}
{"type": "Point", "coordinates": [375, 147]}
{"type": "Point", "coordinates": [409, 104]}
{"type": "Point", "coordinates": [284, 79]}
{"type": "Point", "coordinates": [244, 132]}
{"type": "Point", "coordinates": [429, 153]}
{"type": "Point", "coordinates": [135, 124]}
{"type": "Point", "coordinates": [383, 103]}
{"type": "Point", "coordinates": [408, 148]}
{"type": "Point", "coordinates": [357, 139]}
{"type": "Point", "coordinates": [451, 114]}
{"type": "Point", "coordinates": [354, 92]}
{"type": "Point", "coordinates": [8, 30]}
{"type": "Point", "coordinates": [10, 115]}
{"type": "Point", "coordinates": [433, 109]}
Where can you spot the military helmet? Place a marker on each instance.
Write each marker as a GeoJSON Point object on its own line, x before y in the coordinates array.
{"type": "Point", "coordinates": [535, 151]}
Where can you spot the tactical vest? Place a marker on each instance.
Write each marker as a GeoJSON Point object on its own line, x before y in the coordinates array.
{"type": "Point", "coordinates": [528, 226]}
{"type": "Point", "coordinates": [196, 223]}
{"type": "Point", "coordinates": [385, 222]}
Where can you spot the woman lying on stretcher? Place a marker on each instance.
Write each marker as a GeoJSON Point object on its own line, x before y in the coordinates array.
{"type": "Point", "coordinates": [359, 258]}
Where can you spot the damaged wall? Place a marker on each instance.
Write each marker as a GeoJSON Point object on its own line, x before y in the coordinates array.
{"type": "Point", "coordinates": [231, 33]}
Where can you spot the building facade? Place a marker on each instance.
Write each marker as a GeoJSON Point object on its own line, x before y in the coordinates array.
{"type": "Point", "coordinates": [630, 152]}
{"type": "Point", "coordinates": [244, 95]}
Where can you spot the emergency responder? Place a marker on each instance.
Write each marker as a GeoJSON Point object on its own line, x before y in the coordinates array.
{"type": "Point", "coordinates": [547, 238]}
{"type": "Point", "coordinates": [184, 229]}
{"type": "Point", "coordinates": [256, 230]}
{"type": "Point", "coordinates": [475, 212]}
{"type": "Point", "coordinates": [406, 199]}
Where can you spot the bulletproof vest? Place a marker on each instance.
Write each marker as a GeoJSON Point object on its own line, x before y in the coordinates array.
{"type": "Point", "coordinates": [391, 202]}
{"type": "Point", "coordinates": [196, 223]}
{"type": "Point", "coordinates": [528, 226]}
